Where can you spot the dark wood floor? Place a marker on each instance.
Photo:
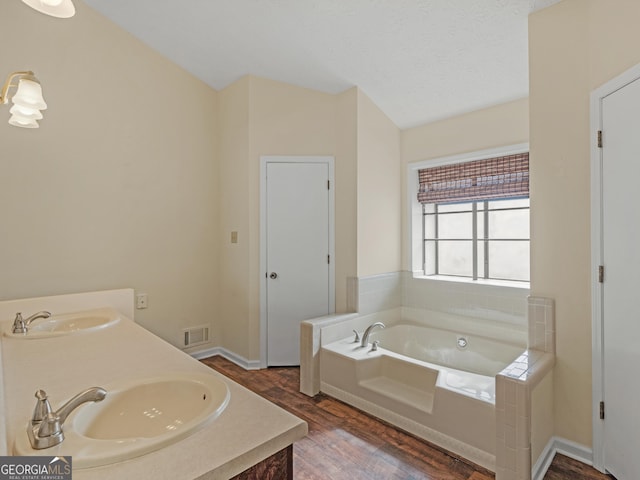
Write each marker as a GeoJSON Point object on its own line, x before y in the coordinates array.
{"type": "Point", "coordinates": [346, 444]}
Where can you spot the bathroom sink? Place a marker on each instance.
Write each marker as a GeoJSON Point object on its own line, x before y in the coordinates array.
{"type": "Point", "coordinates": [136, 418]}
{"type": "Point", "coordinates": [69, 323]}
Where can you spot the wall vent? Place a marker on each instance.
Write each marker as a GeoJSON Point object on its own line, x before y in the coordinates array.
{"type": "Point", "coordinates": [195, 335]}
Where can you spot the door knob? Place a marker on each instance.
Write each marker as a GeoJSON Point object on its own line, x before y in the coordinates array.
{"type": "Point", "coordinates": [273, 275]}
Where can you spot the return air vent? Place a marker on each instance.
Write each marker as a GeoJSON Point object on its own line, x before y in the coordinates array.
{"type": "Point", "coordinates": [196, 335]}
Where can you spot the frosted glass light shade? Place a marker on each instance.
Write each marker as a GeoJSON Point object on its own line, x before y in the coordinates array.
{"type": "Point", "coordinates": [54, 8]}
{"type": "Point", "coordinates": [29, 95]}
{"type": "Point", "coordinates": [24, 112]}
{"type": "Point", "coordinates": [18, 121]}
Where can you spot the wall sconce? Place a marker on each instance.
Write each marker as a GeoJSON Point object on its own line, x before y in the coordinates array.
{"type": "Point", "coordinates": [27, 101]}
{"type": "Point", "coordinates": [55, 8]}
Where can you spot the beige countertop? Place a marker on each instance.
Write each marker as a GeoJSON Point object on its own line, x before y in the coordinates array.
{"type": "Point", "coordinates": [249, 430]}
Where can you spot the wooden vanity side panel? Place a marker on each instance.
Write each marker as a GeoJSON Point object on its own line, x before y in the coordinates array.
{"type": "Point", "coordinates": [278, 466]}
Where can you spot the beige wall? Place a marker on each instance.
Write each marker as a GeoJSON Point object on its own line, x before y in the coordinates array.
{"type": "Point", "coordinates": [497, 126]}
{"type": "Point", "coordinates": [233, 259]}
{"type": "Point", "coordinates": [575, 46]}
{"type": "Point", "coordinates": [502, 125]}
{"type": "Point", "coordinates": [542, 417]}
{"type": "Point", "coordinates": [560, 266]}
{"type": "Point", "coordinates": [132, 196]}
{"type": "Point", "coordinates": [346, 194]}
{"type": "Point", "coordinates": [264, 117]}
{"type": "Point", "coordinates": [285, 120]}
{"type": "Point", "coordinates": [379, 191]}
{"type": "Point", "coordinates": [119, 185]}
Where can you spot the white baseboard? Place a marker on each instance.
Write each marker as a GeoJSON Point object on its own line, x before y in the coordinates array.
{"type": "Point", "coordinates": [565, 447]}
{"type": "Point", "coordinates": [208, 352]}
{"type": "Point", "coordinates": [229, 355]}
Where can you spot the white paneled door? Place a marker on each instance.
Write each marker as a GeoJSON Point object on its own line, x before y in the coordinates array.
{"type": "Point", "coordinates": [298, 247]}
{"type": "Point", "coordinates": [621, 282]}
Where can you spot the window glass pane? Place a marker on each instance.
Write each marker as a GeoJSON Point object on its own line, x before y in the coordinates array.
{"type": "Point", "coordinates": [509, 224]}
{"type": "Point", "coordinates": [428, 208]}
{"type": "Point", "coordinates": [455, 225]}
{"type": "Point", "coordinates": [455, 207]}
{"type": "Point", "coordinates": [430, 226]}
{"type": "Point", "coordinates": [455, 258]}
{"type": "Point", "coordinates": [509, 260]}
{"type": "Point", "coordinates": [480, 220]}
{"type": "Point", "coordinates": [430, 258]}
{"type": "Point", "coordinates": [481, 265]}
{"type": "Point", "coordinates": [518, 203]}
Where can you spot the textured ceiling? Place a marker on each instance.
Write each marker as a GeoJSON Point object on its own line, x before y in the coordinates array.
{"type": "Point", "coordinates": [418, 60]}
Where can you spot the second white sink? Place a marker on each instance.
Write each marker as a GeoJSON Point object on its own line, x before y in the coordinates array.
{"type": "Point", "coordinates": [68, 324]}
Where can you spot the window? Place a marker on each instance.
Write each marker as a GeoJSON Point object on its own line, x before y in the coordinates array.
{"type": "Point", "coordinates": [475, 218]}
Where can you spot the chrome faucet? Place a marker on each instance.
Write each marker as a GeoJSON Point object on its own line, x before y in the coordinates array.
{"type": "Point", "coordinates": [45, 429]}
{"type": "Point", "coordinates": [21, 325]}
{"type": "Point", "coordinates": [365, 335]}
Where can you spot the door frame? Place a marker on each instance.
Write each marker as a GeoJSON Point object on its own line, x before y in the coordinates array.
{"type": "Point", "coordinates": [300, 159]}
{"type": "Point", "coordinates": [597, 257]}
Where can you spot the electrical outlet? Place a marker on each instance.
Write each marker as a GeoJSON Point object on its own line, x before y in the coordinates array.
{"type": "Point", "coordinates": [142, 301]}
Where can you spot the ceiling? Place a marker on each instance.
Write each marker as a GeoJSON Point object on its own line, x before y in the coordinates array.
{"type": "Point", "coordinates": [418, 60]}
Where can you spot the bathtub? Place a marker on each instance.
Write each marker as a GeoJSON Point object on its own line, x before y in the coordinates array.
{"type": "Point", "coordinates": [436, 384]}
{"type": "Point", "coordinates": [468, 353]}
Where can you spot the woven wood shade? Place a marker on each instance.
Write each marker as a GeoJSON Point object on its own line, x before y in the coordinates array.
{"type": "Point", "coordinates": [489, 179]}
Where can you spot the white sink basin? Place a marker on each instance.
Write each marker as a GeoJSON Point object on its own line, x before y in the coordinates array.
{"type": "Point", "coordinates": [68, 324]}
{"type": "Point", "coordinates": [136, 418]}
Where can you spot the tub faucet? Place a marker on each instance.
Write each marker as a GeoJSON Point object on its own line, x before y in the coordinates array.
{"type": "Point", "coordinates": [21, 325]}
{"type": "Point", "coordinates": [365, 335]}
{"type": "Point", "coordinates": [45, 429]}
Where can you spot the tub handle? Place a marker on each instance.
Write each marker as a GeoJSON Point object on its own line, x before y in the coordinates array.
{"type": "Point", "coordinates": [357, 339]}
{"type": "Point", "coordinates": [374, 346]}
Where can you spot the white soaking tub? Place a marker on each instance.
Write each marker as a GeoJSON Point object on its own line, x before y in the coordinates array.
{"type": "Point", "coordinates": [436, 384]}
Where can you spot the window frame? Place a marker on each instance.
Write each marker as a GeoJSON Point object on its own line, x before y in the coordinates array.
{"type": "Point", "coordinates": [477, 214]}
{"type": "Point", "coordinates": [415, 239]}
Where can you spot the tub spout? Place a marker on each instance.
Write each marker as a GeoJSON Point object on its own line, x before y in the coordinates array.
{"type": "Point", "coordinates": [365, 335]}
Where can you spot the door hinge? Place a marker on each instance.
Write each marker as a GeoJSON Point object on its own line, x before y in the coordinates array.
{"type": "Point", "coordinates": [601, 410]}
{"type": "Point", "coordinates": [601, 274]}
{"type": "Point", "coordinates": [328, 184]}
{"type": "Point", "coordinates": [599, 138]}
{"type": "Point", "coordinates": [329, 259]}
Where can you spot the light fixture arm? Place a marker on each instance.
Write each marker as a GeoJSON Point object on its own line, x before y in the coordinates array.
{"type": "Point", "coordinates": [7, 85]}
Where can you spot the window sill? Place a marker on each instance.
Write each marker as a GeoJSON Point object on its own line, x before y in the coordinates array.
{"type": "Point", "coordinates": [520, 286]}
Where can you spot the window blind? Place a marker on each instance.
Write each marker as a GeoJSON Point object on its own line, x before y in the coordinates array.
{"type": "Point", "coordinates": [488, 179]}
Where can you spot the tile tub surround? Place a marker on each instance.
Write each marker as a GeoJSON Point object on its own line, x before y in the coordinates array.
{"type": "Point", "coordinates": [514, 386]}
{"type": "Point", "coordinates": [375, 293]}
{"type": "Point", "coordinates": [225, 447]}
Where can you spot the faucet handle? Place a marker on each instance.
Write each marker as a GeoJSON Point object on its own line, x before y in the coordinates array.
{"type": "Point", "coordinates": [357, 339]}
{"type": "Point", "coordinates": [374, 346]}
{"type": "Point", "coordinates": [19, 325]}
{"type": "Point", "coordinates": [50, 426]}
{"type": "Point", "coordinates": [42, 409]}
